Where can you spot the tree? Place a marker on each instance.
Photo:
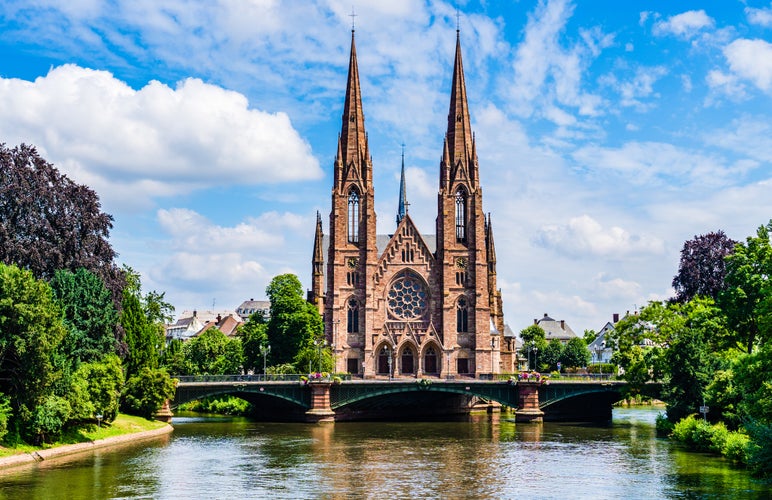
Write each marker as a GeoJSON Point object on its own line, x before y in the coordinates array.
{"type": "Point", "coordinates": [98, 392]}
{"type": "Point", "coordinates": [550, 356]}
{"type": "Point", "coordinates": [637, 343]}
{"type": "Point", "coordinates": [294, 323]}
{"type": "Point", "coordinates": [213, 353]}
{"type": "Point", "coordinates": [747, 298]}
{"type": "Point", "coordinates": [48, 222]}
{"type": "Point", "coordinates": [702, 268]}
{"type": "Point", "coordinates": [575, 354]}
{"type": "Point", "coordinates": [142, 338]}
{"type": "Point", "coordinates": [147, 391]}
{"type": "Point", "coordinates": [254, 342]}
{"type": "Point", "coordinates": [89, 315]}
{"type": "Point", "coordinates": [533, 337]}
{"type": "Point", "coordinates": [31, 328]}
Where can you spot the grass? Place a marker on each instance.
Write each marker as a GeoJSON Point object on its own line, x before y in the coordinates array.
{"type": "Point", "coordinates": [123, 424]}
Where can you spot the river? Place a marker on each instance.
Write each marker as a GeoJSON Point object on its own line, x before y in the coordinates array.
{"type": "Point", "coordinates": [483, 456]}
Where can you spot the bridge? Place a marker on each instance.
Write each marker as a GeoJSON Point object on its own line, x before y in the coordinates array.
{"type": "Point", "coordinates": [288, 398]}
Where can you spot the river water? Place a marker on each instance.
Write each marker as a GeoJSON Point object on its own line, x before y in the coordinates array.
{"type": "Point", "coordinates": [483, 456]}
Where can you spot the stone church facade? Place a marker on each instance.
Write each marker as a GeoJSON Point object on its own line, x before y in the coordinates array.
{"type": "Point", "coordinates": [409, 304]}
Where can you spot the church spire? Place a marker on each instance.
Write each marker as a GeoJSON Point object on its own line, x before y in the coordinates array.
{"type": "Point", "coordinates": [353, 138]}
{"type": "Point", "coordinates": [402, 208]}
{"type": "Point", "coordinates": [318, 246]}
{"type": "Point", "coordinates": [459, 134]}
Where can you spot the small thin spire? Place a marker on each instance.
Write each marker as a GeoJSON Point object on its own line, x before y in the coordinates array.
{"type": "Point", "coordinates": [403, 204]}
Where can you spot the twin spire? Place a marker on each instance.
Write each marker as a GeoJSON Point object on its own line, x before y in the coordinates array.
{"type": "Point", "coordinates": [459, 154]}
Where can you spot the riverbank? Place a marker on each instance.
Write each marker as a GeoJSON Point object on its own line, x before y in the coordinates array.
{"type": "Point", "coordinates": [129, 432]}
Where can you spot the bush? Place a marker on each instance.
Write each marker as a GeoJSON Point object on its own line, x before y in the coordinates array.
{"type": "Point", "coordinates": [49, 418]}
{"type": "Point", "coordinates": [5, 415]}
{"type": "Point", "coordinates": [221, 405]}
{"type": "Point", "coordinates": [664, 426]}
{"type": "Point", "coordinates": [146, 392]}
{"type": "Point", "coordinates": [683, 430]}
{"type": "Point", "coordinates": [760, 449]}
{"type": "Point", "coordinates": [736, 447]}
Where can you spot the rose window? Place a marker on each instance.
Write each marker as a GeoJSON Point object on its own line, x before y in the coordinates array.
{"type": "Point", "coordinates": [408, 298]}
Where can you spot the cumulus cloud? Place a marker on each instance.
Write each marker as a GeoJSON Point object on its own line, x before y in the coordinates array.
{"type": "Point", "coordinates": [751, 60]}
{"type": "Point", "coordinates": [584, 236]}
{"type": "Point", "coordinates": [685, 25]}
{"type": "Point", "coordinates": [135, 145]}
{"type": "Point", "coordinates": [760, 17]}
{"type": "Point", "coordinates": [616, 288]}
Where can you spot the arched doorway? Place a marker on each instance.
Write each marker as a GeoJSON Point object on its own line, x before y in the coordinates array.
{"type": "Point", "coordinates": [407, 365]}
{"type": "Point", "coordinates": [430, 362]}
{"type": "Point", "coordinates": [384, 355]}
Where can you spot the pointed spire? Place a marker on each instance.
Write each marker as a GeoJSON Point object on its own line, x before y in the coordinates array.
{"type": "Point", "coordinates": [353, 136]}
{"type": "Point", "coordinates": [490, 247]}
{"type": "Point", "coordinates": [403, 204]}
{"type": "Point", "coordinates": [318, 243]}
{"type": "Point", "coordinates": [459, 134]}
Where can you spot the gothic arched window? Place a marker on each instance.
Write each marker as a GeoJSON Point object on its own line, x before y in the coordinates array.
{"type": "Point", "coordinates": [353, 217]}
{"type": "Point", "coordinates": [353, 316]}
{"type": "Point", "coordinates": [462, 315]}
{"type": "Point", "coordinates": [407, 361]}
{"type": "Point", "coordinates": [461, 215]}
{"type": "Point", "coordinates": [430, 361]}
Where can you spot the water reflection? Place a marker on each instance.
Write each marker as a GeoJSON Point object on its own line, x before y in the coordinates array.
{"type": "Point", "coordinates": [485, 456]}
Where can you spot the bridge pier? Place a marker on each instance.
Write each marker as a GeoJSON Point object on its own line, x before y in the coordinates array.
{"type": "Point", "coordinates": [320, 411]}
{"type": "Point", "coordinates": [164, 414]}
{"type": "Point", "coordinates": [528, 403]}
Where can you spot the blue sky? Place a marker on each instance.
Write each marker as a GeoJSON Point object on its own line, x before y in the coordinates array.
{"type": "Point", "coordinates": [608, 132]}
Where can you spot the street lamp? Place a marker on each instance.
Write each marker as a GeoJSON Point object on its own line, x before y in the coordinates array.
{"type": "Point", "coordinates": [536, 359]}
{"type": "Point", "coordinates": [265, 349]}
{"type": "Point", "coordinates": [319, 344]}
{"type": "Point", "coordinates": [530, 349]}
{"type": "Point", "coordinates": [391, 352]}
{"type": "Point", "coordinates": [599, 348]}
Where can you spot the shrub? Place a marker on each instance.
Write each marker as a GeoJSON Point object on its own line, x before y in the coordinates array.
{"type": "Point", "coordinates": [49, 418]}
{"type": "Point", "coordinates": [146, 392]}
{"type": "Point", "coordinates": [5, 415]}
{"type": "Point", "coordinates": [760, 449]}
{"type": "Point", "coordinates": [664, 426]}
{"type": "Point", "coordinates": [683, 430]}
{"type": "Point", "coordinates": [736, 447]}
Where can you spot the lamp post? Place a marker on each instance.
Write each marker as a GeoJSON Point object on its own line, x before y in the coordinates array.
{"type": "Point", "coordinates": [530, 350]}
{"type": "Point", "coordinates": [536, 359]}
{"type": "Point", "coordinates": [391, 353]}
{"type": "Point", "coordinates": [265, 349]}
{"type": "Point", "coordinates": [319, 344]}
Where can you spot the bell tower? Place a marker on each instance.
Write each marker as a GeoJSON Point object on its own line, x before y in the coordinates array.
{"type": "Point", "coordinates": [352, 252]}
{"type": "Point", "coordinates": [461, 238]}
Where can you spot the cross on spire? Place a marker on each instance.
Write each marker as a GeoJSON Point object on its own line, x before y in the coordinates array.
{"type": "Point", "coordinates": [353, 16]}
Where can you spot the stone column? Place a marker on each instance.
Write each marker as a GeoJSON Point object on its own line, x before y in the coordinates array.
{"type": "Point", "coordinates": [320, 403]}
{"type": "Point", "coordinates": [164, 414]}
{"type": "Point", "coordinates": [528, 402]}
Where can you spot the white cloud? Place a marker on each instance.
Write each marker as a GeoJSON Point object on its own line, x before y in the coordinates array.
{"type": "Point", "coordinates": [752, 60]}
{"type": "Point", "coordinates": [583, 236]}
{"type": "Point", "coordinates": [661, 163]}
{"type": "Point", "coordinates": [544, 71]}
{"type": "Point", "coordinates": [632, 92]}
{"type": "Point", "coordinates": [751, 136]}
{"type": "Point", "coordinates": [761, 17]}
{"type": "Point", "coordinates": [135, 145]}
{"type": "Point", "coordinates": [615, 288]}
{"type": "Point", "coordinates": [684, 25]}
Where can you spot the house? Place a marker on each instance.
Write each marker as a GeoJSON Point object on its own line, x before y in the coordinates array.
{"type": "Point", "coordinates": [599, 348]}
{"type": "Point", "coordinates": [251, 306]}
{"type": "Point", "coordinates": [192, 323]}
{"type": "Point", "coordinates": [555, 329]}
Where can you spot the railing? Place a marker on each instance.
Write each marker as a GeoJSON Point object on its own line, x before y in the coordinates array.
{"type": "Point", "coordinates": [260, 377]}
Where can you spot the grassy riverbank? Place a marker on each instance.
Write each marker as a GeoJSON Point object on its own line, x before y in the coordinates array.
{"type": "Point", "coordinates": [123, 425]}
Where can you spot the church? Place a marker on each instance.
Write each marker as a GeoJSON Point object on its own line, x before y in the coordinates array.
{"type": "Point", "coordinates": [409, 304]}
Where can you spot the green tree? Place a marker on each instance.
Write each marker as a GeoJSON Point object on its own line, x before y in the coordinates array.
{"type": "Point", "coordinates": [294, 323]}
{"type": "Point", "coordinates": [550, 356]}
{"type": "Point", "coordinates": [31, 328]}
{"type": "Point", "coordinates": [142, 337]}
{"type": "Point", "coordinates": [637, 343]}
{"type": "Point", "coordinates": [575, 354]}
{"type": "Point", "coordinates": [589, 336]}
{"type": "Point", "coordinates": [213, 353]}
{"type": "Point", "coordinates": [254, 342]}
{"type": "Point", "coordinates": [147, 391]}
{"type": "Point", "coordinates": [747, 297]}
{"type": "Point", "coordinates": [534, 341]}
{"type": "Point", "coordinates": [753, 378]}
{"type": "Point", "coordinates": [49, 418]}
{"type": "Point", "coordinates": [97, 389]}
{"type": "Point", "coordinates": [89, 315]}
{"type": "Point", "coordinates": [174, 360]}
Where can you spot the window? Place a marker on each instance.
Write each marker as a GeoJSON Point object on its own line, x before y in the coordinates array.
{"type": "Point", "coordinates": [353, 316]}
{"type": "Point", "coordinates": [408, 298]}
{"type": "Point", "coordinates": [352, 365]}
{"type": "Point", "coordinates": [462, 315]}
{"type": "Point", "coordinates": [353, 217]}
{"type": "Point", "coordinates": [408, 254]}
{"type": "Point", "coordinates": [460, 278]}
{"type": "Point", "coordinates": [352, 278]}
{"type": "Point", "coordinates": [383, 361]}
{"type": "Point", "coordinates": [461, 216]}
{"type": "Point", "coordinates": [462, 365]}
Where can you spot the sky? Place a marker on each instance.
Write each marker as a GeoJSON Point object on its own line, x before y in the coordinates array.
{"type": "Point", "coordinates": [608, 133]}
